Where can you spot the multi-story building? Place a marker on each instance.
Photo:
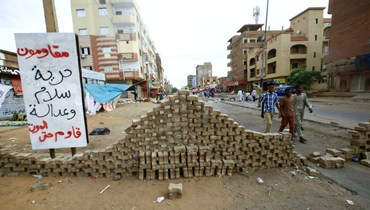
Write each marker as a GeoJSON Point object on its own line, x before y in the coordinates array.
{"type": "Point", "coordinates": [190, 81]}
{"type": "Point", "coordinates": [204, 70]}
{"type": "Point", "coordinates": [299, 46]}
{"type": "Point", "coordinates": [114, 40]}
{"type": "Point", "coordinates": [348, 62]}
{"type": "Point", "coordinates": [250, 37]}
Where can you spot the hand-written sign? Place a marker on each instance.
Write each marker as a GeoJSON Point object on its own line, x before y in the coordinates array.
{"type": "Point", "coordinates": [51, 82]}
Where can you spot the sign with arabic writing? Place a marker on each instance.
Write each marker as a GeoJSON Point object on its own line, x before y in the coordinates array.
{"type": "Point", "coordinates": [52, 90]}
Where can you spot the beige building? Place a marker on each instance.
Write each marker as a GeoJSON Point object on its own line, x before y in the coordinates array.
{"type": "Point", "coordinates": [114, 40]}
{"type": "Point", "coordinates": [204, 70]}
{"type": "Point", "coordinates": [299, 46]}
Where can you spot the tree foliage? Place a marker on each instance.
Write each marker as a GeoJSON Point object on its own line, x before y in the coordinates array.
{"type": "Point", "coordinates": [303, 77]}
{"type": "Point", "coordinates": [174, 90]}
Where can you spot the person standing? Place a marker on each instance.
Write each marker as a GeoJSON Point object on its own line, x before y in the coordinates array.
{"type": "Point", "coordinates": [301, 102]}
{"type": "Point", "coordinates": [259, 91]}
{"type": "Point", "coordinates": [240, 95]}
{"type": "Point", "coordinates": [287, 112]}
{"type": "Point", "coordinates": [254, 95]}
{"type": "Point", "coordinates": [269, 101]}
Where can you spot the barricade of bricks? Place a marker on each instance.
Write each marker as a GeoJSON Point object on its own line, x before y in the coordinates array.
{"type": "Point", "coordinates": [181, 138]}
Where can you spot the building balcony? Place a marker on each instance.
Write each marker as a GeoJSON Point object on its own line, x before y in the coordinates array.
{"type": "Point", "coordinates": [253, 45]}
{"type": "Point", "coordinates": [126, 36]}
{"type": "Point", "coordinates": [128, 57]}
{"type": "Point", "coordinates": [229, 56]}
{"type": "Point", "coordinates": [229, 47]}
{"type": "Point", "coordinates": [124, 19]}
{"type": "Point", "coordinates": [130, 75]}
{"type": "Point", "coordinates": [298, 56]}
{"type": "Point", "coordinates": [123, 2]}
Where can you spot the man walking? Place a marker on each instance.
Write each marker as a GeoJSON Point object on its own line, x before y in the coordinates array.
{"type": "Point", "coordinates": [301, 102]}
{"type": "Point", "coordinates": [287, 112]}
{"type": "Point", "coordinates": [269, 101]}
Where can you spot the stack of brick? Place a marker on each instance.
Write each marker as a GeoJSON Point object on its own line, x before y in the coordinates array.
{"type": "Point", "coordinates": [366, 160]}
{"type": "Point", "coordinates": [360, 139]}
{"type": "Point", "coordinates": [181, 138]}
{"type": "Point", "coordinates": [328, 161]}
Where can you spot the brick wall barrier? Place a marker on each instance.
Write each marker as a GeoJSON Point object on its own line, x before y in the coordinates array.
{"type": "Point", "coordinates": [181, 138]}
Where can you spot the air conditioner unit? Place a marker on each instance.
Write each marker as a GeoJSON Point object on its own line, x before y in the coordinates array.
{"type": "Point", "coordinates": [83, 56]}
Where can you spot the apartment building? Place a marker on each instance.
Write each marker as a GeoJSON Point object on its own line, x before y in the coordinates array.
{"type": "Point", "coordinates": [190, 81]}
{"type": "Point", "coordinates": [299, 46]}
{"type": "Point", "coordinates": [114, 40]}
{"type": "Point", "coordinates": [204, 70]}
{"type": "Point", "coordinates": [250, 37]}
{"type": "Point", "coordinates": [348, 62]}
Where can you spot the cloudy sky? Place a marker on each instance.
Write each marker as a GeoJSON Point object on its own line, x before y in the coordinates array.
{"type": "Point", "coordinates": [186, 33]}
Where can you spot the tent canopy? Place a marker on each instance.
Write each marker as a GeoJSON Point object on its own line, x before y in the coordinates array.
{"type": "Point", "coordinates": [107, 92]}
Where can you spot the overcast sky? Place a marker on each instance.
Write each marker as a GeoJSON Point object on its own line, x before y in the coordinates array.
{"type": "Point", "coordinates": [186, 33]}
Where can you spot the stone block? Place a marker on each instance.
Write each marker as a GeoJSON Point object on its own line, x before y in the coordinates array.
{"type": "Point", "coordinates": [312, 172]}
{"type": "Point", "coordinates": [175, 190]}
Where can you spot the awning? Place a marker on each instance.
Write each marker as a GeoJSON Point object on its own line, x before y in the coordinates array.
{"type": "Point", "coordinates": [107, 92]}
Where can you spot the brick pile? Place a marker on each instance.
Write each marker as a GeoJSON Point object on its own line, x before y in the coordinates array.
{"type": "Point", "coordinates": [181, 138]}
{"type": "Point", "coordinates": [360, 139]}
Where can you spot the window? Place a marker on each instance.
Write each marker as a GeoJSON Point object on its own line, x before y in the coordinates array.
{"type": "Point", "coordinates": [314, 54]}
{"type": "Point", "coordinates": [108, 68]}
{"type": "Point", "coordinates": [103, 11]}
{"type": "Point", "coordinates": [104, 30]}
{"type": "Point", "coordinates": [313, 68]}
{"type": "Point", "coordinates": [102, 2]}
{"type": "Point", "coordinates": [118, 12]}
{"type": "Point", "coordinates": [85, 51]}
{"type": "Point", "coordinates": [245, 41]}
{"type": "Point", "coordinates": [294, 65]}
{"type": "Point", "coordinates": [252, 41]}
{"type": "Point", "coordinates": [315, 37]}
{"type": "Point", "coordinates": [244, 52]}
{"type": "Point", "coordinates": [80, 12]}
{"type": "Point", "coordinates": [83, 31]}
{"type": "Point", "coordinates": [107, 50]}
{"type": "Point", "coordinates": [120, 31]}
{"type": "Point", "coordinates": [317, 20]}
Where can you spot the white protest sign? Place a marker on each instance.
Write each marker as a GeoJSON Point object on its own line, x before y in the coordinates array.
{"type": "Point", "coordinates": [52, 90]}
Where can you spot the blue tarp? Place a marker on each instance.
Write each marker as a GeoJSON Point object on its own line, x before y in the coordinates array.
{"type": "Point", "coordinates": [107, 92]}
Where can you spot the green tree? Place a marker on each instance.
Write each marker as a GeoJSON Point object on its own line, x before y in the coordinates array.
{"type": "Point", "coordinates": [303, 77]}
{"type": "Point", "coordinates": [174, 90]}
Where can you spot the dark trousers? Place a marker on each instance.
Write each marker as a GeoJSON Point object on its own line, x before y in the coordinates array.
{"type": "Point", "coordinates": [285, 121]}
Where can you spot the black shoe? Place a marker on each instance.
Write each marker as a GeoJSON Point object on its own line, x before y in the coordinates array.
{"type": "Point", "coordinates": [303, 140]}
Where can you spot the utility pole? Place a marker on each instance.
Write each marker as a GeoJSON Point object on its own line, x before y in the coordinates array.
{"type": "Point", "coordinates": [50, 16]}
{"type": "Point", "coordinates": [52, 26]}
{"type": "Point", "coordinates": [264, 61]}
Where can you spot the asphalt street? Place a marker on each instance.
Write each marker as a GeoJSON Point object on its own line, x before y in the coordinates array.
{"type": "Point", "coordinates": [326, 128]}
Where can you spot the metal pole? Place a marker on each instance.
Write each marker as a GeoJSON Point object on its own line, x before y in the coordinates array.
{"type": "Point", "coordinates": [148, 77]}
{"type": "Point", "coordinates": [264, 47]}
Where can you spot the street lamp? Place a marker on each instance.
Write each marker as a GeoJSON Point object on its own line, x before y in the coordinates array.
{"type": "Point", "coordinates": [264, 47]}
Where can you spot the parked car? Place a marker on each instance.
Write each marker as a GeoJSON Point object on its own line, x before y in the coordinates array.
{"type": "Point", "coordinates": [280, 90]}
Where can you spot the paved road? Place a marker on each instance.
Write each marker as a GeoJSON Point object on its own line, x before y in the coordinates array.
{"type": "Point", "coordinates": [322, 135]}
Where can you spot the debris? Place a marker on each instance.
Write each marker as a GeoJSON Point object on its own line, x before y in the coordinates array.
{"type": "Point", "coordinates": [37, 176]}
{"type": "Point", "coordinates": [39, 186]}
{"type": "Point", "coordinates": [350, 202]}
{"type": "Point", "coordinates": [312, 171]}
{"type": "Point", "coordinates": [93, 177]}
{"type": "Point", "coordinates": [159, 199]}
{"type": "Point", "coordinates": [294, 174]}
{"type": "Point", "coordinates": [104, 189]}
{"type": "Point", "coordinates": [174, 189]}
{"type": "Point", "coordinates": [33, 202]}
{"type": "Point", "coordinates": [260, 181]}
{"type": "Point", "coordinates": [100, 131]}
{"type": "Point", "coordinates": [117, 177]}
